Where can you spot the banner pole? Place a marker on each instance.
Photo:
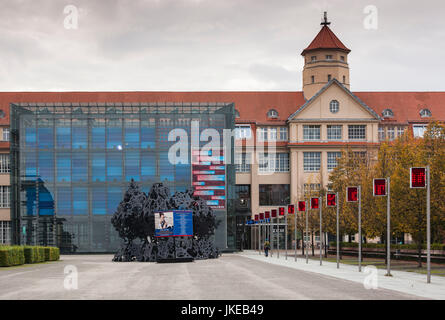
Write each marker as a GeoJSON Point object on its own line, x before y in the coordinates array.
{"type": "Point", "coordinates": [388, 231]}
{"type": "Point", "coordinates": [359, 229]}
{"type": "Point", "coordinates": [428, 225]}
{"type": "Point", "coordinates": [295, 221]}
{"type": "Point", "coordinates": [321, 236]}
{"type": "Point", "coordinates": [338, 232]}
{"type": "Point", "coordinates": [307, 232]}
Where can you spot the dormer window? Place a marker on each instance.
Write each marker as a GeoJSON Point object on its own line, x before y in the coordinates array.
{"type": "Point", "coordinates": [342, 58]}
{"type": "Point", "coordinates": [329, 77]}
{"type": "Point", "coordinates": [387, 113]}
{"type": "Point", "coordinates": [314, 58]}
{"type": "Point", "coordinates": [237, 114]}
{"type": "Point", "coordinates": [272, 114]}
{"type": "Point", "coordinates": [425, 113]}
{"type": "Point", "coordinates": [329, 57]}
{"type": "Point", "coordinates": [313, 79]}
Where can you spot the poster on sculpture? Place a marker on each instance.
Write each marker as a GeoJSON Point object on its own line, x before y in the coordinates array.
{"type": "Point", "coordinates": [164, 224]}
{"type": "Point", "coordinates": [176, 223]}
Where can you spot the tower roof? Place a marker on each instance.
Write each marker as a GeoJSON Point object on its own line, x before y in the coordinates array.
{"type": "Point", "coordinates": [326, 39]}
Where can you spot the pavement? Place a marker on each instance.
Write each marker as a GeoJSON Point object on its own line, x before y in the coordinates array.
{"type": "Point", "coordinates": [410, 283]}
{"type": "Point", "coordinates": [241, 276]}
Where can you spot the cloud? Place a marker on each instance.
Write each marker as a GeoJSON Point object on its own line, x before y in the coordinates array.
{"type": "Point", "coordinates": [212, 44]}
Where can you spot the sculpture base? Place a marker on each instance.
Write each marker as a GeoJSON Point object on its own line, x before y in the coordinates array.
{"type": "Point", "coordinates": [175, 260]}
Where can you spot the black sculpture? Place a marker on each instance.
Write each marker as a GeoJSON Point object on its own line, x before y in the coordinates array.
{"type": "Point", "coordinates": [134, 220]}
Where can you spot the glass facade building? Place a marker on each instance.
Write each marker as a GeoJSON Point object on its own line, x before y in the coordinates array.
{"type": "Point", "coordinates": [71, 164]}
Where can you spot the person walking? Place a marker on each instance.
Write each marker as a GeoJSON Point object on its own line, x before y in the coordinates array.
{"type": "Point", "coordinates": [266, 247]}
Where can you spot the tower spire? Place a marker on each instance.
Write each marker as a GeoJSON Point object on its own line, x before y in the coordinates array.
{"type": "Point", "coordinates": [325, 20]}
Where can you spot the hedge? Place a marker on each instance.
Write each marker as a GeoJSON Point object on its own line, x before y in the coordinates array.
{"type": "Point", "coordinates": [412, 246]}
{"type": "Point", "coordinates": [17, 255]}
{"type": "Point", "coordinates": [52, 253]}
{"type": "Point", "coordinates": [11, 256]}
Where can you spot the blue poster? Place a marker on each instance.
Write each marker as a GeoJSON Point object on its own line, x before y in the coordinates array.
{"type": "Point", "coordinates": [175, 223]}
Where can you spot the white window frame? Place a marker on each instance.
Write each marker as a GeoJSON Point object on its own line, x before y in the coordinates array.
{"type": "Point", "coordinates": [242, 162]}
{"type": "Point", "coordinates": [283, 134]}
{"type": "Point", "coordinates": [334, 129]}
{"type": "Point", "coordinates": [5, 232]}
{"type": "Point", "coordinates": [311, 161]}
{"type": "Point", "coordinates": [5, 200]}
{"type": "Point", "coordinates": [419, 130]}
{"type": "Point", "coordinates": [273, 134]}
{"type": "Point", "coordinates": [262, 134]}
{"type": "Point", "coordinates": [273, 162]}
{"type": "Point", "coordinates": [5, 166]}
{"type": "Point", "coordinates": [332, 160]}
{"type": "Point", "coordinates": [5, 135]}
{"type": "Point", "coordinates": [311, 132]}
{"type": "Point", "coordinates": [355, 130]}
{"type": "Point", "coordinates": [243, 132]}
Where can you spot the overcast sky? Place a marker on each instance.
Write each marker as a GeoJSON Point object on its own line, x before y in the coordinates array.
{"type": "Point", "coordinates": [214, 45]}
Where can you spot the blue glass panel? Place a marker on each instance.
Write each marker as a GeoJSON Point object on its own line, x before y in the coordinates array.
{"type": "Point", "coordinates": [46, 166]}
{"type": "Point", "coordinates": [64, 201]}
{"type": "Point", "coordinates": [132, 137]}
{"type": "Point", "coordinates": [80, 137]}
{"type": "Point", "coordinates": [148, 138]}
{"type": "Point", "coordinates": [98, 137]}
{"type": "Point", "coordinates": [30, 166]}
{"type": "Point", "coordinates": [148, 166]}
{"type": "Point", "coordinates": [183, 173]}
{"type": "Point", "coordinates": [46, 202]}
{"type": "Point", "coordinates": [31, 208]}
{"type": "Point", "coordinates": [45, 138]}
{"type": "Point", "coordinates": [132, 169]}
{"type": "Point", "coordinates": [31, 137]}
{"type": "Point", "coordinates": [63, 137]}
{"type": "Point", "coordinates": [114, 166]}
{"type": "Point", "coordinates": [114, 198]}
{"type": "Point", "coordinates": [99, 200]}
{"type": "Point", "coordinates": [114, 137]}
{"type": "Point", "coordinates": [80, 201]}
{"type": "Point", "coordinates": [98, 167]}
{"type": "Point", "coordinates": [80, 166]}
{"type": "Point", "coordinates": [166, 169]}
{"type": "Point", "coordinates": [63, 167]}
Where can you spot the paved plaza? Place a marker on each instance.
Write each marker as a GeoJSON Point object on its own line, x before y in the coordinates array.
{"type": "Point", "coordinates": [232, 276]}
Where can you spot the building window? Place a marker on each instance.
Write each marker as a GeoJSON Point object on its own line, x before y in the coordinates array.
{"type": "Point", "coordinates": [5, 134]}
{"type": "Point", "coordinates": [4, 163]}
{"type": "Point", "coordinates": [272, 113]}
{"type": "Point", "coordinates": [425, 113]}
{"type": "Point", "coordinates": [5, 232]}
{"type": "Point", "coordinates": [360, 155]}
{"type": "Point", "coordinates": [332, 160]}
{"type": "Point", "coordinates": [242, 162]}
{"type": "Point", "coordinates": [391, 133]}
{"type": "Point", "coordinates": [328, 57]}
{"type": "Point", "coordinates": [314, 58]}
{"type": "Point", "coordinates": [342, 58]}
{"type": "Point", "coordinates": [357, 132]}
{"type": "Point", "coordinates": [242, 193]}
{"type": "Point", "coordinates": [243, 132]}
{"type": "Point", "coordinates": [335, 132]}
{"type": "Point", "coordinates": [237, 114]}
{"type": "Point", "coordinates": [274, 194]}
{"type": "Point", "coordinates": [334, 106]}
{"type": "Point", "coordinates": [262, 134]}
{"type": "Point", "coordinates": [273, 162]}
{"type": "Point", "coordinates": [283, 134]}
{"type": "Point", "coordinates": [4, 196]}
{"type": "Point", "coordinates": [382, 135]}
{"type": "Point", "coordinates": [329, 77]}
{"type": "Point", "coordinates": [419, 130]}
{"type": "Point", "coordinates": [311, 161]}
{"type": "Point", "coordinates": [311, 188]}
{"type": "Point", "coordinates": [400, 131]}
{"type": "Point", "coordinates": [273, 134]}
{"type": "Point", "coordinates": [311, 132]}
{"type": "Point", "coordinates": [344, 79]}
{"type": "Point", "coordinates": [387, 113]}
{"type": "Point", "coordinates": [313, 79]}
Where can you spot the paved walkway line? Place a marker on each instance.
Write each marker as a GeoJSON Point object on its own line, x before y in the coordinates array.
{"type": "Point", "coordinates": [401, 281]}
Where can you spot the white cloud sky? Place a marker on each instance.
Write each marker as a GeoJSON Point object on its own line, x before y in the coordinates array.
{"type": "Point", "coordinates": [213, 45]}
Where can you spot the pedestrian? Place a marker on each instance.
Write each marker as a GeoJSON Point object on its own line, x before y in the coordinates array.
{"type": "Point", "coordinates": [266, 247]}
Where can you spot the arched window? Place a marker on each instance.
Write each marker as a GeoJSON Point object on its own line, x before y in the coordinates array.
{"type": "Point", "coordinates": [387, 113]}
{"type": "Point", "coordinates": [272, 113]}
{"type": "Point", "coordinates": [2, 114]}
{"type": "Point", "coordinates": [425, 113]}
{"type": "Point", "coordinates": [334, 106]}
{"type": "Point", "coordinates": [236, 114]}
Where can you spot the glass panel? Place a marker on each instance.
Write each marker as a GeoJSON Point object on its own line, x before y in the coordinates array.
{"type": "Point", "coordinates": [80, 201]}
{"type": "Point", "coordinates": [63, 167]}
{"type": "Point", "coordinates": [98, 167]}
{"type": "Point", "coordinates": [98, 200]}
{"type": "Point", "coordinates": [132, 167]}
{"type": "Point", "coordinates": [114, 166]}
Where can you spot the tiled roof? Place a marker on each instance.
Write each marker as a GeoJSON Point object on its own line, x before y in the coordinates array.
{"type": "Point", "coordinates": [252, 106]}
{"type": "Point", "coordinates": [326, 39]}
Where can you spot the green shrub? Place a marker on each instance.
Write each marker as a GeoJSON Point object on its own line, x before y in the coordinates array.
{"type": "Point", "coordinates": [11, 256]}
{"type": "Point", "coordinates": [34, 254]}
{"type": "Point", "coordinates": [52, 253]}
